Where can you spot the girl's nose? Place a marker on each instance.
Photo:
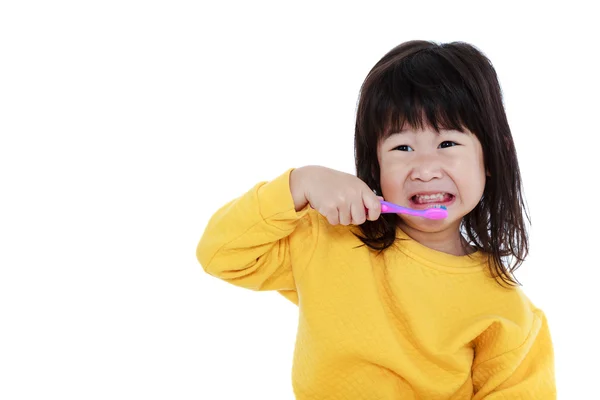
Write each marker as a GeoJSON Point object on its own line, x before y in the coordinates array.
{"type": "Point", "coordinates": [425, 168]}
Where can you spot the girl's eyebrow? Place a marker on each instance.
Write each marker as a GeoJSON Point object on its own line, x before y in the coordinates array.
{"type": "Point", "coordinates": [392, 135]}
{"type": "Point", "coordinates": [450, 130]}
{"type": "Point", "coordinates": [441, 131]}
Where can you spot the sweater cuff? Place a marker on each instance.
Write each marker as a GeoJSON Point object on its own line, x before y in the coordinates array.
{"type": "Point", "coordinates": [276, 202]}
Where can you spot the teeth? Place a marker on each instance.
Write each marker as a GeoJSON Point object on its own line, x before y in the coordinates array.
{"type": "Point", "coordinates": [430, 197]}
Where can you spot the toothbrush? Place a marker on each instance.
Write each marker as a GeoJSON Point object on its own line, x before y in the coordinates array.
{"type": "Point", "coordinates": [435, 212]}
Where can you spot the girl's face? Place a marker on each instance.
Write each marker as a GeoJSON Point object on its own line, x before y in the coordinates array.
{"type": "Point", "coordinates": [420, 168]}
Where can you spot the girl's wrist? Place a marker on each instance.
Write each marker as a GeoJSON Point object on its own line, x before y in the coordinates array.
{"type": "Point", "coordinates": [297, 188]}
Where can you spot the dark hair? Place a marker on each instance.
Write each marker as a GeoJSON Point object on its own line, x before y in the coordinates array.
{"type": "Point", "coordinates": [454, 86]}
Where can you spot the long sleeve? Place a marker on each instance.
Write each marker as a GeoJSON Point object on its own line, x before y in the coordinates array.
{"type": "Point", "coordinates": [524, 372]}
{"type": "Point", "coordinates": [258, 241]}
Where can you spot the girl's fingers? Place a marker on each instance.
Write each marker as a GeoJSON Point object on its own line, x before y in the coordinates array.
{"type": "Point", "coordinates": [344, 215]}
{"type": "Point", "coordinates": [357, 210]}
{"type": "Point", "coordinates": [373, 205]}
{"type": "Point", "coordinates": [333, 218]}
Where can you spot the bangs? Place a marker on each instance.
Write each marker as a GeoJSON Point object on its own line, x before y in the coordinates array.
{"type": "Point", "coordinates": [422, 90]}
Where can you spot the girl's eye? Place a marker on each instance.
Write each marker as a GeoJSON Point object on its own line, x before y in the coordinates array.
{"type": "Point", "coordinates": [448, 143]}
{"type": "Point", "coordinates": [404, 147]}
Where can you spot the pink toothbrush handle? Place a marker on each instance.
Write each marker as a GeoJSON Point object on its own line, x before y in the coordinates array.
{"type": "Point", "coordinates": [387, 207]}
{"type": "Point", "coordinates": [431, 213]}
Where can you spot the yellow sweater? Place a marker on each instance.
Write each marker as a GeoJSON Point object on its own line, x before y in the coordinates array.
{"type": "Point", "coordinates": [410, 323]}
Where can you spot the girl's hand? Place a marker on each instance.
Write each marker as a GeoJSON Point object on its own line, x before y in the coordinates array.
{"type": "Point", "coordinates": [340, 197]}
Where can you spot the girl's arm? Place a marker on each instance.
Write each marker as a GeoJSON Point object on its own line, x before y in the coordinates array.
{"type": "Point", "coordinates": [259, 241]}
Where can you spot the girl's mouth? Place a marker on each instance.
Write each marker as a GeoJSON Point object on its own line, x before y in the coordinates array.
{"type": "Point", "coordinates": [422, 201]}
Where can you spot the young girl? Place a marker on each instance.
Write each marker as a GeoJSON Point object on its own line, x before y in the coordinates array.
{"type": "Point", "coordinates": [394, 306]}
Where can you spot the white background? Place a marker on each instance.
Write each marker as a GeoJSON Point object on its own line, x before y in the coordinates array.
{"type": "Point", "coordinates": [125, 124]}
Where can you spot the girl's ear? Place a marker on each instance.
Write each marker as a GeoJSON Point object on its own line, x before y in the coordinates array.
{"type": "Point", "coordinates": [487, 172]}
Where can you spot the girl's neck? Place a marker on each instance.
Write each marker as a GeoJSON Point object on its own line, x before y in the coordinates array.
{"type": "Point", "coordinates": [448, 241]}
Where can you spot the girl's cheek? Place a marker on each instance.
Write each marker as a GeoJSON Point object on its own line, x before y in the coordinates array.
{"type": "Point", "coordinates": [394, 167]}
